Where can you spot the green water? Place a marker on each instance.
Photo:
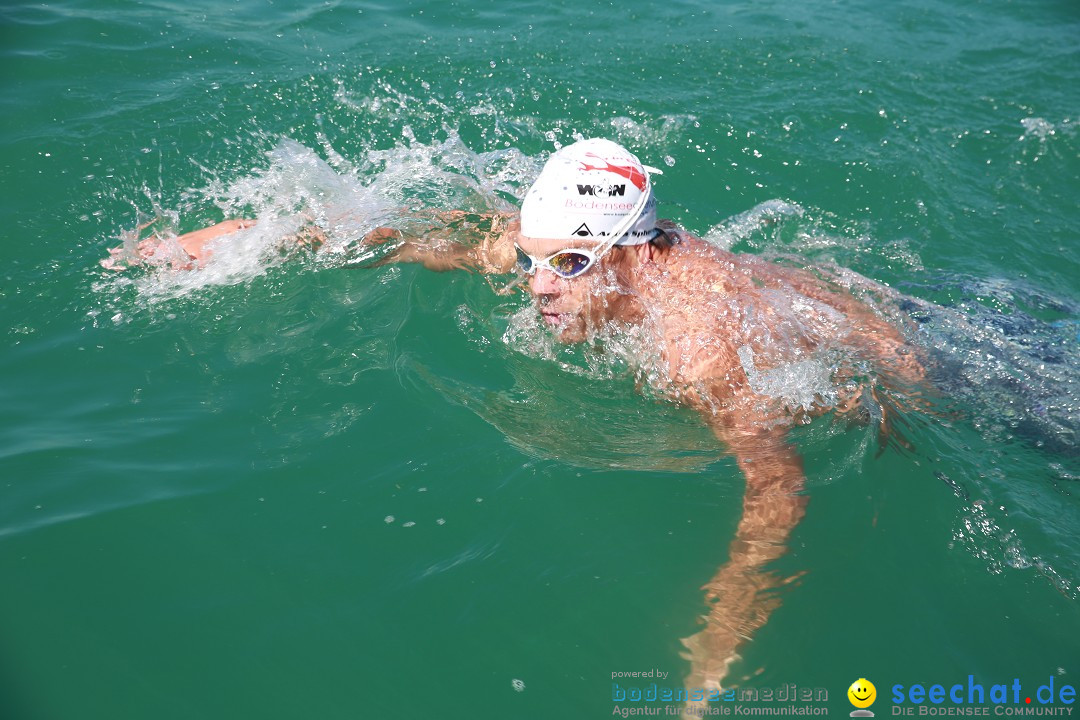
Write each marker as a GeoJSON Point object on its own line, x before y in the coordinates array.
{"type": "Point", "coordinates": [291, 490]}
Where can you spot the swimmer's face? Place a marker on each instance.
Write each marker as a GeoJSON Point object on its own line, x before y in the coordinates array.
{"type": "Point", "coordinates": [569, 306]}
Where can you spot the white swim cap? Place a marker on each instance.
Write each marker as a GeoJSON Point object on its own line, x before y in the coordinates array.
{"type": "Point", "coordinates": [591, 189]}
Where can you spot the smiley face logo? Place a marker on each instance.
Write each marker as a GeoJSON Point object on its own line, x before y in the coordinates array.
{"type": "Point", "coordinates": [862, 693]}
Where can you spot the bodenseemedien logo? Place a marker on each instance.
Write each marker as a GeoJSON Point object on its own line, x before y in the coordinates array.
{"type": "Point", "coordinates": [862, 694]}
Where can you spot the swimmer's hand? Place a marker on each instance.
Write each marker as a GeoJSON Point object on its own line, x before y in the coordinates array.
{"type": "Point", "coordinates": [151, 251]}
{"type": "Point", "coordinates": [184, 252]}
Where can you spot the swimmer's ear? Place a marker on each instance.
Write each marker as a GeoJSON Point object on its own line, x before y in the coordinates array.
{"type": "Point", "coordinates": [646, 252]}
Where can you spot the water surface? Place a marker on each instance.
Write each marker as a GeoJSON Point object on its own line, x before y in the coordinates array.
{"type": "Point", "coordinates": [285, 488]}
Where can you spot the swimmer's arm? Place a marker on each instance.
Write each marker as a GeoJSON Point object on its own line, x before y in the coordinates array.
{"type": "Point", "coordinates": [493, 254]}
{"type": "Point", "coordinates": [741, 594]}
{"type": "Point", "coordinates": [193, 244]}
{"type": "Point", "coordinates": [196, 242]}
{"type": "Point", "coordinates": [772, 503]}
{"type": "Point", "coordinates": [441, 255]}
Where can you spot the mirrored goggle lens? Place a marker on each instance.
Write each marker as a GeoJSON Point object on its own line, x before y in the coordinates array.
{"type": "Point", "coordinates": [524, 261]}
{"type": "Point", "coordinates": [569, 264]}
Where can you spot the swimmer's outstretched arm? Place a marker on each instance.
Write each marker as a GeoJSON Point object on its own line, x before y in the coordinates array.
{"type": "Point", "coordinates": [741, 594]}
{"type": "Point", "coordinates": [442, 250]}
{"type": "Point", "coordinates": [438, 249]}
{"type": "Point", "coordinates": [195, 244]}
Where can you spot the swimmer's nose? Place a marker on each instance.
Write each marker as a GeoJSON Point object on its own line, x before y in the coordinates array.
{"type": "Point", "coordinates": [544, 282]}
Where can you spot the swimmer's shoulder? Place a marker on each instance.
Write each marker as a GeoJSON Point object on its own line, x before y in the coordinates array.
{"type": "Point", "coordinates": [690, 250]}
{"type": "Point", "coordinates": [675, 236]}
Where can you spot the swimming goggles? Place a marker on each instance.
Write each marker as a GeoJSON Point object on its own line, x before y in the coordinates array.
{"type": "Point", "coordinates": [566, 263]}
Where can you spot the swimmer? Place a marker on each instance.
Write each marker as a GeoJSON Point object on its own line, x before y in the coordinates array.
{"type": "Point", "coordinates": [593, 256]}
